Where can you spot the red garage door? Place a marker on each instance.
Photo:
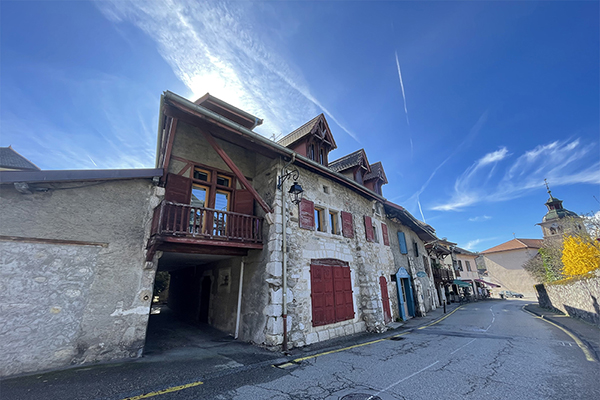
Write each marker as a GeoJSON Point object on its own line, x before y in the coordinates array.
{"type": "Point", "coordinates": [331, 291]}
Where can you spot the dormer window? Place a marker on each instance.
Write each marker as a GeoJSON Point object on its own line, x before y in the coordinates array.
{"type": "Point", "coordinates": [311, 152]}
{"type": "Point", "coordinates": [321, 157]}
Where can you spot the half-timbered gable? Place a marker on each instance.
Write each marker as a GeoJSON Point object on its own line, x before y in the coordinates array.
{"type": "Point", "coordinates": [313, 140]}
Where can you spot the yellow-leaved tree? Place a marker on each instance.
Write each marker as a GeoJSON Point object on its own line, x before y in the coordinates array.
{"type": "Point", "coordinates": [580, 255]}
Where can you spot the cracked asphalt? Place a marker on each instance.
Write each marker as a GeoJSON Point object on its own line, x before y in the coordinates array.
{"type": "Point", "coordinates": [484, 350]}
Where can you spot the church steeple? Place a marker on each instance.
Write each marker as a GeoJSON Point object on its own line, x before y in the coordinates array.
{"type": "Point", "coordinates": [551, 223]}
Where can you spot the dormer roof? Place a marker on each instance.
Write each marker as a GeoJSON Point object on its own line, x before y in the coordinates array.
{"type": "Point", "coordinates": [377, 172]}
{"type": "Point", "coordinates": [228, 111]}
{"type": "Point", "coordinates": [358, 158]}
{"type": "Point", "coordinates": [317, 126]}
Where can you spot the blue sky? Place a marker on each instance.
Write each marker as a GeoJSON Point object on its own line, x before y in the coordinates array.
{"type": "Point", "coordinates": [469, 105]}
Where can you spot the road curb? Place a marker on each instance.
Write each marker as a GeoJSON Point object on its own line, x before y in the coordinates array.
{"type": "Point", "coordinates": [591, 348]}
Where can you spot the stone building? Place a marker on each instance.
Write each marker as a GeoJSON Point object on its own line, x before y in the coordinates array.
{"type": "Point", "coordinates": [75, 283]}
{"type": "Point", "coordinates": [266, 241]}
{"type": "Point", "coordinates": [504, 264]}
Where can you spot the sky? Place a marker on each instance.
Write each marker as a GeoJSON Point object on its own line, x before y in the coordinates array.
{"type": "Point", "coordinates": [468, 105]}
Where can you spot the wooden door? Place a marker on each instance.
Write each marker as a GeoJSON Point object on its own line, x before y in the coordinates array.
{"type": "Point", "coordinates": [385, 298]}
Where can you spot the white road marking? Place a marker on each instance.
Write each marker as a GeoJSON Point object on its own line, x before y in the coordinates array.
{"type": "Point", "coordinates": [493, 319]}
{"type": "Point", "coordinates": [461, 347]}
{"type": "Point", "coordinates": [402, 380]}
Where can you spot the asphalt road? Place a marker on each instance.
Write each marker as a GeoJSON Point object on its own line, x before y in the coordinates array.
{"type": "Point", "coordinates": [485, 350]}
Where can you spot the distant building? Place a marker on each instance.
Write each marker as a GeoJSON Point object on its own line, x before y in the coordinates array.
{"type": "Point", "coordinates": [504, 264]}
{"type": "Point", "coordinates": [10, 160]}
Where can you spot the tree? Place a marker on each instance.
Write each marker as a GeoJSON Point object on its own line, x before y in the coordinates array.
{"type": "Point", "coordinates": [580, 255]}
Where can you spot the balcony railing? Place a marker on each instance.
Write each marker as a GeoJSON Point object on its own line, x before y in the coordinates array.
{"type": "Point", "coordinates": [442, 274]}
{"type": "Point", "coordinates": [184, 220]}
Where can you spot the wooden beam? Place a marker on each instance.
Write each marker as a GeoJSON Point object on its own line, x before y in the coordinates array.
{"type": "Point", "coordinates": [170, 139]}
{"type": "Point", "coordinates": [211, 140]}
{"type": "Point", "coordinates": [50, 241]}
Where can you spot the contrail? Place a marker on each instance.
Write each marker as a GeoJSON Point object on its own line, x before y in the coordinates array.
{"type": "Point", "coordinates": [402, 87]}
{"type": "Point", "coordinates": [420, 209]}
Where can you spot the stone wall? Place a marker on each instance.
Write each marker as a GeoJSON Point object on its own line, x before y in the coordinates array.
{"type": "Point", "coordinates": [84, 299]}
{"type": "Point", "coordinates": [577, 298]}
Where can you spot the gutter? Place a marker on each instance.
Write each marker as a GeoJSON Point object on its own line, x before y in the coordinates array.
{"type": "Point", "coordinates": [255, 137]}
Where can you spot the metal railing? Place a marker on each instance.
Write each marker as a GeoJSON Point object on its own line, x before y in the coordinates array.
{"type": "Point", "coordinates": [184, 220]}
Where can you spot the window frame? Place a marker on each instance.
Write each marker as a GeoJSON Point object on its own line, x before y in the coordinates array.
{"type": "Point", "coordinates": [319, 216]}
{"type": "Point", "coordinates": [334, 222]}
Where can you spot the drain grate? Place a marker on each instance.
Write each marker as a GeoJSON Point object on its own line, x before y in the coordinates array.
{"type": "Point", "coordinates": [360, 396]}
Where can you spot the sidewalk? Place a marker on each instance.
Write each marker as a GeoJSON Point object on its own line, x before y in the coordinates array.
{"type": "Point", "coordinates": [589, 334]}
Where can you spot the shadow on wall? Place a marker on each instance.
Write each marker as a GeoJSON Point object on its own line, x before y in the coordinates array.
{"type": "Point", "coordinates": [543, 298]}
{"type": "Point", "coordinates": [594, 318]}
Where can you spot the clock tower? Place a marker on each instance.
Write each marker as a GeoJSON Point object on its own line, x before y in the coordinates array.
{"type": "Point", "coordinates": [558, 220]}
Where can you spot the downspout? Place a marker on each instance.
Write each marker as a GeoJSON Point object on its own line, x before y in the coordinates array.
{"type": "Point", "coordinates": [239, 302]}
{"type": "Point", "coordinates": [284, 257]}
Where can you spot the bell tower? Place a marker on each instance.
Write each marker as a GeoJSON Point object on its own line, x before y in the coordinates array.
{"type": "Point", "coordinates": [558, 220]}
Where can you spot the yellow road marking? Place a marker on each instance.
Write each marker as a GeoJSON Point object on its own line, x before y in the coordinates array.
{"type": "Point", "coordinates": [583, 347]}
{"type": "Point", "coordinates": [338, 350]}
{"type": "Point", "coordinates": [297, 360]}
{"type": "Point", "coordinates": [441, 319]}
{"type": "Point", "coordinates": [164, 391]}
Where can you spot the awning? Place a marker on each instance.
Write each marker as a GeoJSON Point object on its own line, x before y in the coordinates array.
{"type": "Point", "coordinates": [487, 283]}
{"type": "Point", "coordinates": [460, 283]}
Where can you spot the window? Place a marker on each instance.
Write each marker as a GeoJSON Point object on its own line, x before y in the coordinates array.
{"type": "Point", "coordinates": [201, 174]}
{"type": "Point", "coordinates": [460, 267]}
{"type": "Point", "coordinates": [321, 157]}
{"type": "Point", "coordinates": [402, 242]}
{"type": "Point", "coordinates": [199, 195]}
{"type": "Point", "coordinates": [320, 219]}
{"type": "Point", "coordinates": [311, 151]}
{"type": "Point", "coordinates": [375, 237]}
{"type": "Point", "coordinates": [223, 181]}
{"type": "Point", "coordinates": [468, 265]}
{"type": "Point", "coordinates": [331, 291]}
{"type": "Point", "coordinates": [416, 249]}
{"type": "Point", "coordinates": [325, 189]}
{"type": "Point", "coordinates": [333, 223]}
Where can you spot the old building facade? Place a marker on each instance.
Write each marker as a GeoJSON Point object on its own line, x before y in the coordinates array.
{"type": "Point", "coordinates": [266, 241]}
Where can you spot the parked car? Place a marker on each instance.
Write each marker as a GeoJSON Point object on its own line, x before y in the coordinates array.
{"type": "Point", "coordinates": [508, 293]}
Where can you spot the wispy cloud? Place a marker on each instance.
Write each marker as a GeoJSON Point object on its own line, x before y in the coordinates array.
{"type": "Point", "coordinates": [212, 47]}
{"type": "Point", "coordinates": [469, 138]}
{"type": "Point", "coordinates": [471, 245]}
{"type": "Point", "coordinates": [494, 178]}
{"type": "Point", "coordinates": [480, 218]}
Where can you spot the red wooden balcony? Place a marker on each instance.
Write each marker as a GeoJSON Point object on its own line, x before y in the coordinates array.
{"type": "Point", "coordinates": [183, 221]}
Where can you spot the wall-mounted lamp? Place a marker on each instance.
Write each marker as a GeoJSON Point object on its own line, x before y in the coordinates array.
{"type": "Point", "coordinates": [296, 190]}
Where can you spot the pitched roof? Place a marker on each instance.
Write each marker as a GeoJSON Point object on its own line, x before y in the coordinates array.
{"type": "Point", "coordinates": [350, 160]}
{"type": "Point", "coordinates": [515, 244]}
{"type": "Point", "coordinates": [376, 172]}
{"type": "Point", "coordinates": [9, 158]}
{"type": "Point", "coordinates": [307, 129]}
{"type": "Point", "coordinates": [228, 111]}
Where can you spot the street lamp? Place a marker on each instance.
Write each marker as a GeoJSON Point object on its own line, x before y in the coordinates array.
{"type": "Point", "coordinates": [296, 190]}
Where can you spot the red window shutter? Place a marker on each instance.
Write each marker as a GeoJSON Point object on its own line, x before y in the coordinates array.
{"type": "Point", "coordinates": [384, 232]}
{"type": "Point", "coordinates": [322, 294]}
{"type": "Point", "coordinates": [342, 286]}
{"type": "Point", "coordinates": [347, 225]}
{"type": "Point", "coordinates": [178, 189]}
{"type": "Point", "coordinates": [244, 202]}
{"type": "Point", "coordinates": [369, 229]}
{"type": "Point", "coordinates": [306, 214]}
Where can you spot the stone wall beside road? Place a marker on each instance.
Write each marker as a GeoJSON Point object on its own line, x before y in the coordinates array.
{"type": "Point", "coordinates": [577, 298]}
